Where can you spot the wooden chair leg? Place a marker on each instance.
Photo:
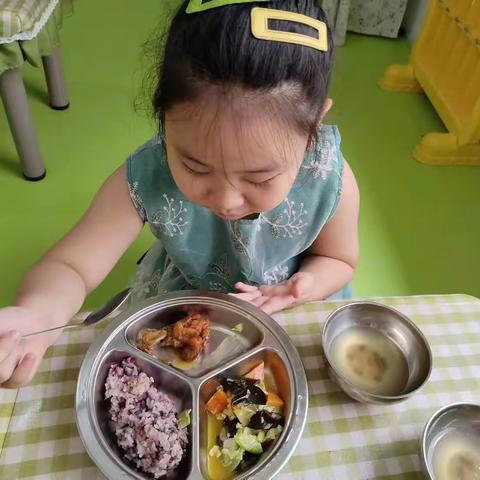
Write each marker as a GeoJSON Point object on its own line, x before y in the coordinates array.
{"type": "Point", "coordinates": [20, 120]}
{"type": "Point", "coordinates": [57, 90]}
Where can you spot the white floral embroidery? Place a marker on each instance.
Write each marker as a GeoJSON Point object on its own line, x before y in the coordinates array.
{"type": "Point", "coordinates": [220, 270]}
{"type": "Point", "coordinates": [276, 274]}
{"type": "Point", "coordinates": [290, 222]}
{"type": "Point", "coordinates": [323, 162]}
{"type": "Point", "coordinates": [141, 285]}
{"type": "Point", "coordinates": [137, 199]}
{"type": "Point", "coordinates": [171, 219]}
{"type": "Point", "coordinates": [215, 286]}
{"type": "Point", "coordinates": [240, 243]}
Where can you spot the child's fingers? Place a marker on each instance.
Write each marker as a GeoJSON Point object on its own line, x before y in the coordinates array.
{"type": "Point", "coordinates": [243, 287]}
{"type": "Point", "coordinates": [23, 373]}
{"type": "Point", "coordinates": [248, 296]}
{"type": "Point", "coordinates": [8, 342]}
{"type": "Point", "coordinates": [8, 366]}
{"type": "Point", "coordinates": [260, 301]}
{"type": "Point", "coordinates": [276, 304]}
{"type": "Point", "coordinates": [296, 288]}
{"type": "Point", "coordinates": [281, 289]}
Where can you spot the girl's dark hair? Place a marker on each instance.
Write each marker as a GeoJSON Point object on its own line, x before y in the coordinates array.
{"type": "Point", "coordinates": [216, 48]}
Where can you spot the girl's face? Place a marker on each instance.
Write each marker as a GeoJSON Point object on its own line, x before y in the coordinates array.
{"type": "Point", "coordinates": [234, 158]}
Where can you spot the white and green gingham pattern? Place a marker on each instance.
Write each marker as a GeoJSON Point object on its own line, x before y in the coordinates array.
{"type": "Point", "coordinates": [342, 439]}
{"type": "Point", "coordinates": [23, 19]}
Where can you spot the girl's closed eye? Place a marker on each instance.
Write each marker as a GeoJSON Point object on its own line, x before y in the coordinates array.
{"type": "Point", "coordinates": [194, 171]}
{"type": "Point", "coordinates": [263, 183]}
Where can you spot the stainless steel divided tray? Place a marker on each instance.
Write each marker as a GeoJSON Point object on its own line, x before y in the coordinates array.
{"type": "Point", "coordinates": [232, 351]}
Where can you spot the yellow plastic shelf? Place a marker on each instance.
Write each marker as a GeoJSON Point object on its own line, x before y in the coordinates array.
{"type": "Point", "coordinates": [445, 65]}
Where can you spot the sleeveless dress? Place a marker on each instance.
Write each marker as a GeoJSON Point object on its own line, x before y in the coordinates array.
{"type": "Point", "coordinates": [197, 250]}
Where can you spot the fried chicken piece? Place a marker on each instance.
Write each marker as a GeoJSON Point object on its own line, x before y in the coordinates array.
{"type": "Point", "coordinates": [149, 338]}
{"type": "Point", "coordinates": [189, 335]}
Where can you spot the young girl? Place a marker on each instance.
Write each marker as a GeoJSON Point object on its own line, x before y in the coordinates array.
{"type": "Point", "coordinates": [245, 189]}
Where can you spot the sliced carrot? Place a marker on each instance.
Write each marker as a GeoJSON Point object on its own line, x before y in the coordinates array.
{"type": "Point", "coordinates": [257, 373]}
{"type": "Point", "coordinates": [279, 374]}
{"type": "Point", "coordinates": [273, 400]}
{"type": "Point", "coordinates": [217, 403]}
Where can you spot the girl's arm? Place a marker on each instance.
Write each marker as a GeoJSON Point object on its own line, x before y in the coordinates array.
{"type": "Point", "coordinates": [58, 284]}
{"type": "Point", "coordinates": [333, 257]}
{"type": "Point", "coordinates": [55, 288]}
{"type": "Point", "coordinates": [329, 265]}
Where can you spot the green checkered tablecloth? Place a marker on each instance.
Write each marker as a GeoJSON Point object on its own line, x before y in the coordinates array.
{"type": "Point", "coordinates": [342, 439]}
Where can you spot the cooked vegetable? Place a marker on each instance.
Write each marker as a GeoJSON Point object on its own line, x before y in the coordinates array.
{"type": "Point", "coordinates": [184, 418]}
{"type": "Point", "coordinates": [249, 443]}
{"type": "Point", "coordinates": [248, 460]}
{"type": "Point", "coordinates": [264, 420]}
{"type": "Point", "coordinates": [230, 454]}
{"type": "Point", "coordinates": [253, 394]}
{"type": "Point", "coordinates": [217, 403]}
{"type": "Point", "coordinates": [238, 328]}
{"type": "Point", "coordinates": [257, 373]}
{"type": "Point", "coordinates": [251, 420]}
{"type": "Point", "coordinates": [236, 385]}
{"type": "Point", "coordinates": [261, 436]}
{"type": "Point", "coordinates": [230, 426]}
{"type": "Point", "coordinates": [244, 390]}
{"type": "Point", "coordinates": [274, 400]}
{"type": "Point", "coordinates": [274, 433]}
{"type": "Point", "coordinates": [244, 413]}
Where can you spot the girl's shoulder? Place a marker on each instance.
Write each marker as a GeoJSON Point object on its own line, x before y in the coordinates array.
{"type": "Point", "coordinates": [147, 155]}
{"type": "Point", "coordinates": [320, 180]}
{"type": "Point", "coordinates": [146, 168]}
{"type": "Point", "coordinates": [327, 145]}
{"type": "Point", "coordinates": [324, 159]}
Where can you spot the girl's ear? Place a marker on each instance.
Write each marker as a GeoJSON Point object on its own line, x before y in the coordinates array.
{"type": "Point", "coordinates": [327, 105]}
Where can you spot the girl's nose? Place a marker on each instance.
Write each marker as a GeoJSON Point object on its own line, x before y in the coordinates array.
{"type": "Point", "coordinates": [225, 198]}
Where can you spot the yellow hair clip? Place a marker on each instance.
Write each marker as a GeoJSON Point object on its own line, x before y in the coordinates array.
{"type": "Point", "coordinates": [261, 30]}
{"type": "Point", "coordinates": [196, 6]}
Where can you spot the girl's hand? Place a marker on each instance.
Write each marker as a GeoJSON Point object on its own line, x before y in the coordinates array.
{"type": "Point", "coordinates": [19, 358]}
{"type": "Point", "coordinates": [274, 298]}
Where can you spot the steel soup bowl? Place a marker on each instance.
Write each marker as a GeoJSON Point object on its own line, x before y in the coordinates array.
{"type": "Point", "coordinates": [393, 325]}
{"type": "Point", "coordinates": [457, 417]}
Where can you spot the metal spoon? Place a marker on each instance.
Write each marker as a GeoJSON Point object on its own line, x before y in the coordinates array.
{"type": "Point", "coordinates": [94, 317]}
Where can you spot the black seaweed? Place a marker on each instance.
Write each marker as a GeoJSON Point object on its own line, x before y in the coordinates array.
{"type": "Point", "coordinates": [248, 460]}
{"type": "Point", "coordinates": [264, 420]}
{"type": "Point", "coordinates": [244, 390]}
{"type": "Point", "coordinates": [231, 426]}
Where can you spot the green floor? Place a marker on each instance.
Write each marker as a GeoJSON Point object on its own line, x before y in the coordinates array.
{"type": "Point", "coordinates": [420, 226]}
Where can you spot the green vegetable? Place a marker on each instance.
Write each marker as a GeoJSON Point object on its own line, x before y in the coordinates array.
{"type": "Point", "coordinates": [238, 328]}
{"type": "Point", "coordinates": [261, 436]}
{"type": "Point", "coordinates": [249, 443]}
{"type": "Point", "coordinates": [230, 454]}
{"type": "Point", "coordinates": [231, 459]}
{"type": "Point", "coordinates": [215, 451]}
{"type": "Point", "coordinates": [269, 409]}
{"type": "Point", "coordinates": [244, 413]}
{"type": "Point", "coordinates": [273, 433]}
{"type": "Point", "coordinates": [184, 418]}
{"type": "Point", "coordinates": [230, 444]}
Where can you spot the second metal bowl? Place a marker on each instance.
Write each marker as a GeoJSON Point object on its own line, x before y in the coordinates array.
{"type": "Point", "coordinates": [452, 435]}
